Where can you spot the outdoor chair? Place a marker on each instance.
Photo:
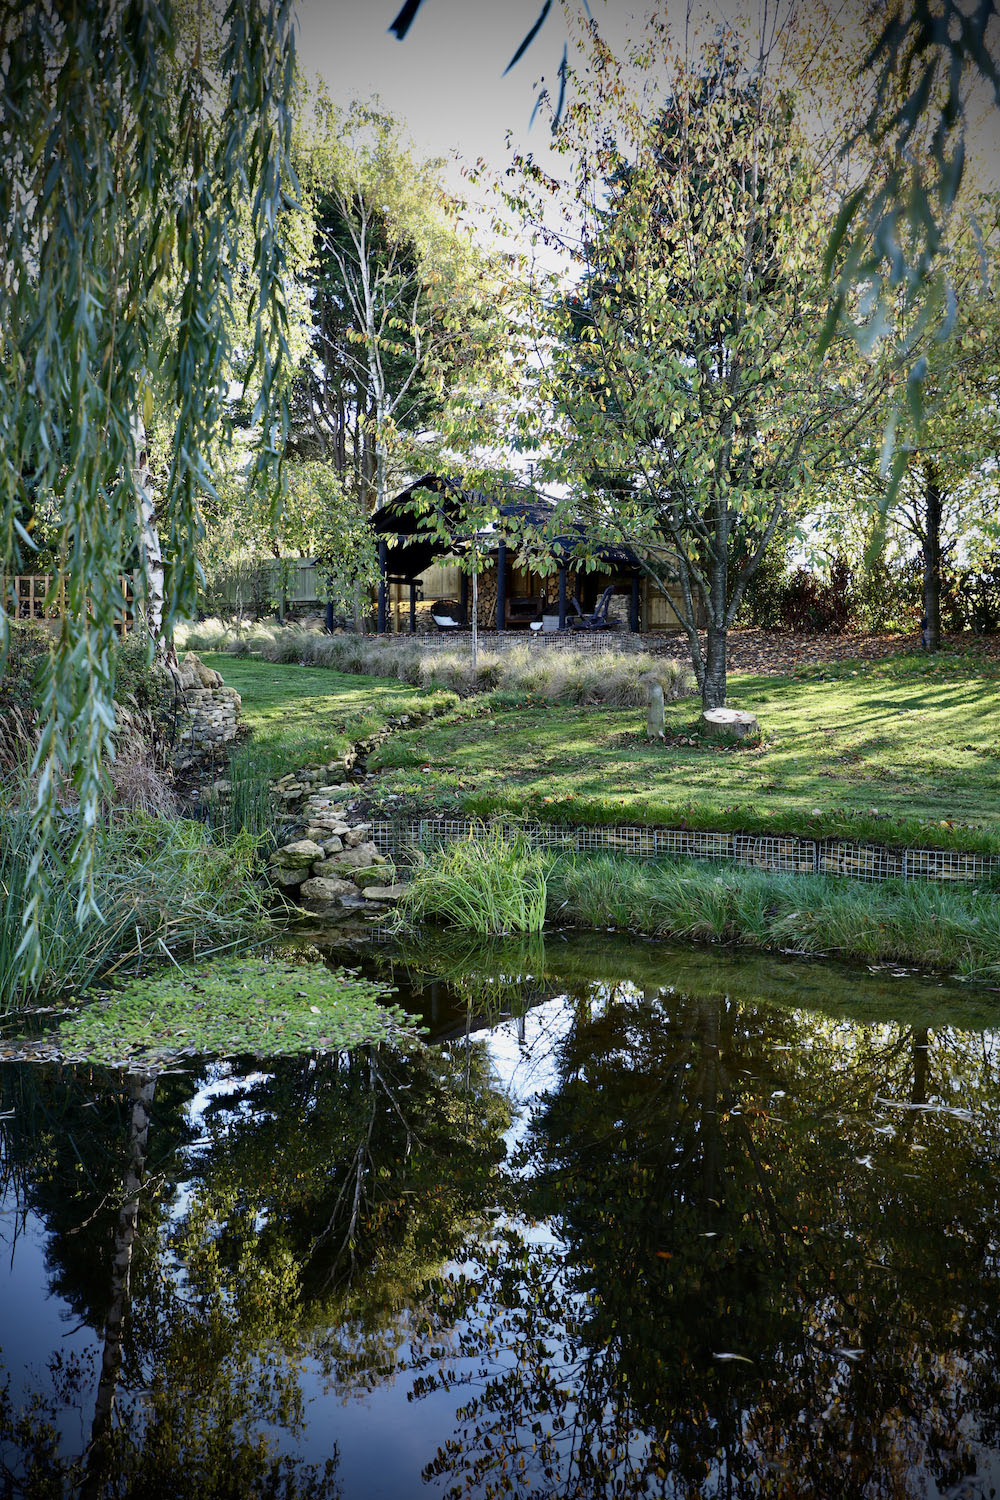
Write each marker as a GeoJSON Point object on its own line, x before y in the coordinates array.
{"type": "Point", "coordinates": [524, 611]}
{"type": "Point", "coordinates": [598, 620]}
{"type": "Point", "coordinates": [447, 615]}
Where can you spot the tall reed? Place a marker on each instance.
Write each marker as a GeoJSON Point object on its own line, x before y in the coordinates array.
{"type": "Point", "coordinates": [248, 808]}
{"type": "Point", "coordinates": [938, 927]}
{"type": "Point", "coordinates": [493, 885]}
{"type": "Point", "coordinates": [160, 883]}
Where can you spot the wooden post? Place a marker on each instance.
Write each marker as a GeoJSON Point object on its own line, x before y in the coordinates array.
{"type": "Point", "coordinates": [501, 585]}
{"type": "Point", "coordinates": [383, 588]}
{"type": "Point", "coordinates": [633, 608]}
{"type": "Point", "coordinates": [562, 596]}
{"type": "Point", "coordinates": [413, 607]}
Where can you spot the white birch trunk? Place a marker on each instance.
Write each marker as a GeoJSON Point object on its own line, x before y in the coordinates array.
{"type": "Point", "coordinates": [149, 537]}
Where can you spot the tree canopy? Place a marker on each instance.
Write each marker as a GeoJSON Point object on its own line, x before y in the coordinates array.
{"type": "Point", "coordinates": [691, 411]}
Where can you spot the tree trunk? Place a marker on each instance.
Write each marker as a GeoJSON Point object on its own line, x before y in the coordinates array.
{"type": "Point", "coordinates": [142, 1087]}
{"type": "Point", "coordinates": [713, 688]}
{"type": "Point", "coordinates": [931, 632]}
{"type": "Point", "coordinates": [150, 551]}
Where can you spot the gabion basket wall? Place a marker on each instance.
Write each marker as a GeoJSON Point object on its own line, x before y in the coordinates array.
{"type": "Point", "coordinates": [773, 852]}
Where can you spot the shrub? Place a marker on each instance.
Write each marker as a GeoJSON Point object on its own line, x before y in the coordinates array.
{"type": "Point", "coordinates": [811, 604]}
{"type": "Point", "coordinates": [887, 598]}
{"type": "Point", "coordinates": [762, 598]}
{"type": "Point", "coordinates": [970, 599]}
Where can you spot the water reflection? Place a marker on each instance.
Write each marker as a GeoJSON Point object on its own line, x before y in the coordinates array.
{"type": "Point", "coordinates": [656, 1230]}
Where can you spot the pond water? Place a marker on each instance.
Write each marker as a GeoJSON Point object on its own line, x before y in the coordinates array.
{"type": "Point", "coordinates": [632, 1221]}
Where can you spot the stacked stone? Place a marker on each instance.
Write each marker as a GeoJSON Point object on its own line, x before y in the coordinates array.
{"type": "Point", "coordinates": [333, 863]}
{"type": "Point", "coordinates": [211, 712]}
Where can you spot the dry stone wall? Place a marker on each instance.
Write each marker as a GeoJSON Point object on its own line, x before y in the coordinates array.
{"type": "Point", "coordinates": [333, 862]}
{"type": "Point", "coordinates": [211, 713]}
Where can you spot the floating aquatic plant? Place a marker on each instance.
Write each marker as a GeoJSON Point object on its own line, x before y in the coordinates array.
{"type": "Point", "coordinates": [259, 1005]}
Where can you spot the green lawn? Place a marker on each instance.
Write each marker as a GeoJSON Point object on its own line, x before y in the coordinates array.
{"type": "Point", "coordinates": [904, 750]}
{"type": "Point", "coordinates": [303, 716]}
{"type": "Point", "coordinates": [876, 753]}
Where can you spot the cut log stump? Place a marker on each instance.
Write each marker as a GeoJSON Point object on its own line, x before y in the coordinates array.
{"type": "Point", "coordinates": [729, 723]}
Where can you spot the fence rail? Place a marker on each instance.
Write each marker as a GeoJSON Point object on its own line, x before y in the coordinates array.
{"type": "Point", "coordinates": [24, 597]}
{"type": "Point", "coordinates": [401, 839]}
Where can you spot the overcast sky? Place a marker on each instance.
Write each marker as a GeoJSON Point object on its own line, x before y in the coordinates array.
{"type": "Point", "coordinates": [445, 80]}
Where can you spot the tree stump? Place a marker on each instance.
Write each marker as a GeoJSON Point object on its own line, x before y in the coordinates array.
{"type": "Point", "coordinates": [729, 723]}
{"type": "Point", "coordinates": [654, 713]}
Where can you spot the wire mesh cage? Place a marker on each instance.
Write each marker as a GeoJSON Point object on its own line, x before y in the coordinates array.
{"type": "Point", "coordinates": [402, 839]}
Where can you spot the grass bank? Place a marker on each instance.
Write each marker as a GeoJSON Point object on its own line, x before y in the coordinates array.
{"type": "Point", "coordinates": [898, 753]}
{"type": "Point", "coordinates": [954, 931]}
{"type": "Point", "coordinates": [306, 716]}
{"type": "Point", "coordinates": [162, 885]}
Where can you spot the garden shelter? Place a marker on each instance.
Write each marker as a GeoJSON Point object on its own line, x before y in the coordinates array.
{"type": "Point", "coordinates": [521, 556]}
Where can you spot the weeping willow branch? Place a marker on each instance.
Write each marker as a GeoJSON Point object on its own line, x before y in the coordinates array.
{"type": "Point", "coordinates": [134, 179]}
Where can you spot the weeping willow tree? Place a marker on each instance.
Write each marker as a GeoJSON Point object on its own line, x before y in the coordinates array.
{"type": "Point", "coordinates": [145, 167]}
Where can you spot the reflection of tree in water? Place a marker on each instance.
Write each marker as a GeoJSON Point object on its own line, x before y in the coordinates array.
{"type": "Point", "coordinates": [759, 1289]}
{"type": "Point", "coordinates": [322, 1193]}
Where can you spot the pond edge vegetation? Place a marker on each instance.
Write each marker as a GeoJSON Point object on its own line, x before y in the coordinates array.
{"type": "Point", "coordinates": [476, 887]}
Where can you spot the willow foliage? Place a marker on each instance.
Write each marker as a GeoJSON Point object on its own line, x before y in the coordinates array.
{"type": "Point", "coordinates": [138, 142]}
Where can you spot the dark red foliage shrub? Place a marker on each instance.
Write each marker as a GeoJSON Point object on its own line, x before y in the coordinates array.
{"type": "Point", "coordinates": [813, 605]}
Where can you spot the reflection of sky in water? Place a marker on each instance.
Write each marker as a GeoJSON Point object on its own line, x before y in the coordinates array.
{"type": "Point", "coordinates": [34, 1325]}
{"type": "Point", "coordinates": [522, 1051]}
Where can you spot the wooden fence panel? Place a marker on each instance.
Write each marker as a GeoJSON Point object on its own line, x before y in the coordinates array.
{"type": "Point", "coordinates": [24, 596]}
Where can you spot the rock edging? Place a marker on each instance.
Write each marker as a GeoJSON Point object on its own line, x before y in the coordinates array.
{"type": "Point", "coordinates": [331, 863]}
{"type": "Point", "coordinates": [336, 866]}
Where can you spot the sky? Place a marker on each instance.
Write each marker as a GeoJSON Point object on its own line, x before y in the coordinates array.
{"type": "Point", "coordinates": [446, 79]}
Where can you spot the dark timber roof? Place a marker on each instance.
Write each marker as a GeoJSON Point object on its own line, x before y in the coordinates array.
{"type": "Point", "coordinates": [411, 551]}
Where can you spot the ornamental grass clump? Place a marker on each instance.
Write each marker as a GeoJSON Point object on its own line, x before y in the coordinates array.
{"type": "Point", "coordinates": [557, 675]}
{"type": "Point", "coordinates": [553, 674]}
{"type": "Point", "coordinates": [494, 884]}
{"type": "Point", "coordinates": [161, 885]}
